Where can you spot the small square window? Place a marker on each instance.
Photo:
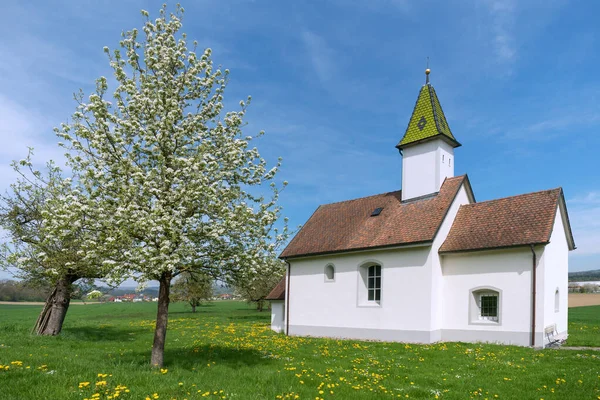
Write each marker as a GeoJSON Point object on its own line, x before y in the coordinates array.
{"type": "Point", "coordinates": [489, 306]}
{"type": "Point", "coordinates": [485, 306]}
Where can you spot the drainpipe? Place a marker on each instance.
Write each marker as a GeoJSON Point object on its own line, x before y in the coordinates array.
{"type": "Point", "coordinates": [533, 295]}
{"type": "Point", "coordinates": [287, 299]}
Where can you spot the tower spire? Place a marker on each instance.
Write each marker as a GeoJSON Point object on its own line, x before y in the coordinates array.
{"type": "Point", "coordinates": [428, 120]}
{"type": "Point", "coordinates": [427, 147]}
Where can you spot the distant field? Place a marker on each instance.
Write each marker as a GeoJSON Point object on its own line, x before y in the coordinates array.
{"type": "Point", "coordinates": [584, 299]}
{"type": "Point", "coordinates": [227, 351]}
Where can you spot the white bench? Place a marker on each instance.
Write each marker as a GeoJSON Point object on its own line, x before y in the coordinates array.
{"type": "Point", "coordinates": [554, 339]}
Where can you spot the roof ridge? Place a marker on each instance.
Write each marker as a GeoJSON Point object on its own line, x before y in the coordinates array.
{"type": "Point", "coordinates": [384, 193]}
{"type": "Point", "coordinates": [455, 177]}
{"type": "Point", "coordinates": [435, 116]}
{"type": "Point", "coordinates": [513, 196]}
{"type": "Point", "coordinates": [360, 198]}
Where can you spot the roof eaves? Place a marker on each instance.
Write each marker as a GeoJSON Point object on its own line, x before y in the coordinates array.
{"type": "Point", "coordinates": [387, 246]}
{"type": "Point", "coordinates": [563, 209]}
{"type": "Point", "coordinates": [452, 142]}
{"type": "Point", "coordinates": [513, 246]}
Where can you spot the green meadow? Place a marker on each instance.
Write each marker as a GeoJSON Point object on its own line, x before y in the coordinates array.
{"type": "Point", "coordinates": [227, 351]}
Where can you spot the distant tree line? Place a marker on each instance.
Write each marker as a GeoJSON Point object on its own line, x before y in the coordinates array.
{"type": "Point", "coordinates": [584, 276]}
{"type": "Point", "coordinates": [21, 291]}
{"type": "Point", "coordinates": [11, 290]}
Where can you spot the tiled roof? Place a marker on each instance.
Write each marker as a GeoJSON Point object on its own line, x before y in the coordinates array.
{"type": "Point", "coordinates": [427, 120]}
{"type": "Point", "coordinates": [348, 225]}
{"type": "Point", "coordinates": [512, 221]}
{"type": "Point", "coordinates": [278, 292]}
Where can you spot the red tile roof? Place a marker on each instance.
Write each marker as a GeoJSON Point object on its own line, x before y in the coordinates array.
{"type": "Point", "coordinates": [278, 292]}
{"type": "Point", "coordinates": [512, 221]}
{"type": "Point", "coordinates": [348, 225]}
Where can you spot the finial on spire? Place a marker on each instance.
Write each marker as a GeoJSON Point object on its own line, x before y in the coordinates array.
{"type": "Point", "coordinates": [427, 72]}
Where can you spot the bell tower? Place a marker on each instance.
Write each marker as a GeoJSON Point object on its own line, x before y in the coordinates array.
{"type": "Point", "coordinates": [427, 147]}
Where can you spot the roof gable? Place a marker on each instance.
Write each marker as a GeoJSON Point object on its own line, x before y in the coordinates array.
{"type": "Point", "coordinates": [349, 226]}
{"type": "Point", "coordinates": [427, 121]}
{"type": "Point", "coordinates": [562, 204]}
{"type": "Point", "coordinates": [278, 292]}
{"type": "Point", "coordinates": [512, 221]}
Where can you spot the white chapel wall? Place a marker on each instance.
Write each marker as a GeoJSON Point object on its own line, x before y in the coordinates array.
{"type": "Point", "coordinates": [278, 315]}
{"type": "Point", "coordinates": [509, 272]}
{"type": "Point", "coordinates": [555, 261]}
{"type": "Point", "coordinates": [334, 308]}
{"type": "Point", "coordinates": [437, 277]}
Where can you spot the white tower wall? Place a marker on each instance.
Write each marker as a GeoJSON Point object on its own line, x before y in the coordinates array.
{"type": "Point", "coordinates": [424, 168]}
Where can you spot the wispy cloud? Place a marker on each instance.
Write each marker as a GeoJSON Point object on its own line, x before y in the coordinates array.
{"type": "Point", "coordinates": [321, 55]}
{"type": "Point", "coordinates": [22, 128]}
{"type": "Point", "coordinates": [584, 213]}
{"type": "Point", "coordinates": [502, 13]}
{"type": "Point", "coordinates": [561, 122]}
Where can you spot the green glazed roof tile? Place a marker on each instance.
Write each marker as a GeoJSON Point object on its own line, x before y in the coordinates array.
{"type": "Point", "coordinates": [427, 120]}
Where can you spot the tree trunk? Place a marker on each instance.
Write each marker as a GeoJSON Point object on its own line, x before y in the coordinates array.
{"type": "Point", "coordinates": [193, 307]}
{"type": "Point", "coordinates": [260, 305]}
{"type": "Point", "coordinates": [162, 317]}
{"type": "Point", "coordinates": [51, 319]}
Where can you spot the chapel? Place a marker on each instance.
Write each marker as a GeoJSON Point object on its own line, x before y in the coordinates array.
{"type": "Point", "coordinates": [429, 263]}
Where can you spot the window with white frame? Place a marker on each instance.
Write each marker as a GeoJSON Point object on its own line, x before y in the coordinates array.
{"type": "Point", "coordinates": [374, 283]}
{"type": "Point", "coordinates": [485, 305]}
{"type": "Point", "coordinates": [329, 273]}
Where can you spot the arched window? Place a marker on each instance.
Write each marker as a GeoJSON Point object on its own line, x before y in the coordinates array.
{"type": "Point", "coordinates": [374, 283]}
{"type": "Point", "coordinates": [369, 292]}
{"type": "Point", "coordinates": [485, 305]}
{"type": "Point", "coordinates": [370, 283]}
{"type": "Point", "coordinates": [329, 273]}
{"type": "Point", "coordinates": [556, 301]}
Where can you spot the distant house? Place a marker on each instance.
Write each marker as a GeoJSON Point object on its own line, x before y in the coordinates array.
{"type": "Point", "coordinates": [124, 298]}
{"type": "Point", "coordinates": [429, 263]}
{"type": "Point", "coordinates": [225, 296]}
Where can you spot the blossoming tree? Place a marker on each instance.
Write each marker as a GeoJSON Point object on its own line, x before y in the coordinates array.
{"type": "Point", "coordinates": [193, 288]}
{"type": "Point", "coordinates": [256, 288]}
{"type": "Point", "coordinates": [50, 229]}
{"type": "Point", "coordinates": [171, 170]}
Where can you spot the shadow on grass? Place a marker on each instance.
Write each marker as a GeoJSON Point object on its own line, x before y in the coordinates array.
{"type": "Point", "coordinates": [201, 356]}
{"type": "Point", "coordinates": [251, 318]}
{"type": "Point", "coordinates": [102, 333]}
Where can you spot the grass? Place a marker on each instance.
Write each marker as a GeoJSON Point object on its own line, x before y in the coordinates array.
{"type": "Point", "coordinates": [584, 326]}
{"type": "Point", "coordinates": [226, 350]}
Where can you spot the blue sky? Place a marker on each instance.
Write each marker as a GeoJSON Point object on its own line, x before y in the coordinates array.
{"type": "Point", "coordinates": [334, 83]}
